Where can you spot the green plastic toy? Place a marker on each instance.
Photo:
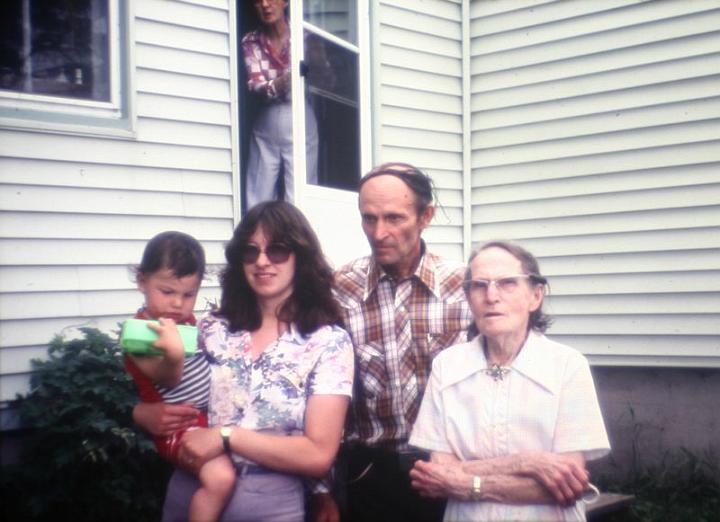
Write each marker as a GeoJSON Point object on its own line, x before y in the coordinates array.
{"type": "Point", "coordinates": [137, 339]}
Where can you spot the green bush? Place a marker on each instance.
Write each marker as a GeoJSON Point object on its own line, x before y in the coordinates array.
{"type": "Point", "coordinates": [82, 458]}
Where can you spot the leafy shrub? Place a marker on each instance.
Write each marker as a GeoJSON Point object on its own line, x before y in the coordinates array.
{"type": "Point", "coordinates": [82, 459]}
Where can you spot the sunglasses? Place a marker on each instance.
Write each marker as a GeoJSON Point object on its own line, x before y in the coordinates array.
{"type": "Point", "coordinates": [277, 253]}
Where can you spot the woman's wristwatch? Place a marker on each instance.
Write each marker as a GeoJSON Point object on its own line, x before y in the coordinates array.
{"type": "Point", "coordinates": [225, 433]}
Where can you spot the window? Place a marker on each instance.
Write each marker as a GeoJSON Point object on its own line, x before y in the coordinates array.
{"type": "Point", "coordinates": [56, 48]}
{"type": "Point", "coordinates": [332, 88]}
{"type": "Point", "coordinates": [61, 64]}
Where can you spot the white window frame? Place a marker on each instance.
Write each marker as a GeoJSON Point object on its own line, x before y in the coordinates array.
{"type": "Point", "coordinates": [362, 48]}
{"type": "Point", "coordinates": [115, 117]}
{"type": "Point", "coordinates": [317, 201]}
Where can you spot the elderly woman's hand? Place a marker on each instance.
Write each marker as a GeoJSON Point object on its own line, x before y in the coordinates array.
{"type": "Point", "coordinates": [199, 446]}
{"type": "Point", "coordinates": [440, 480]}
{"type": "Point", "coordinates": [563, 475]}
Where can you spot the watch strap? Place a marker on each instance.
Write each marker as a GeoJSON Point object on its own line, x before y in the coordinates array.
{"type": "Point", "coordinates": [225, 434]}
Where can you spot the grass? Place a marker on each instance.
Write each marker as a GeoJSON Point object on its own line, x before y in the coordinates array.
{"type": "Point", "coordinates": [683, 487]}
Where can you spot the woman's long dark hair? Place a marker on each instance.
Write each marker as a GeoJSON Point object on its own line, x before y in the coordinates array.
{"type": "Point", "coordinates": [539, 320]}
{"type": "Point", "coordinates": [311, 304]}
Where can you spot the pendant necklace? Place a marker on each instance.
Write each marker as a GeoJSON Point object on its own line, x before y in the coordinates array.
{"type": "Point", "coordinates": [497, 372]}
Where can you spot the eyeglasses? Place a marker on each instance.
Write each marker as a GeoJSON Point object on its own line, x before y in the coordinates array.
{"type": "Point", "coordinates": [277, 253]}
{"type": "Point", "coordinates": [504, 285]}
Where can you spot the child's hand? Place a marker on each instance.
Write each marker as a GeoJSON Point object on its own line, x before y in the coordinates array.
{"type": "Point", "coordinates": [169, 340]}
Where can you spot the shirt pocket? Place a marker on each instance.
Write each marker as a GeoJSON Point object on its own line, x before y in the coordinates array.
{"type": "Point", "coordinates": [447, 324]}
{"type": "Point", "coordinates": [437, 342]}
{"type": "Point", "coordinates": [372, 379]}
{"type": "Point", "coordinates": [281, 401]}
{"type": "Point", "coordinates": [290, 382]}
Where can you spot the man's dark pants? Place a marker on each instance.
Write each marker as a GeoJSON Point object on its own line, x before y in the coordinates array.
{"type": "Point", "coordinates": [382, 492]}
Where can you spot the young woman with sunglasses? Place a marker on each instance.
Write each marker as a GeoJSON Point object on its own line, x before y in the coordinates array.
{"type": "Point", "coordinates": [281, 370]}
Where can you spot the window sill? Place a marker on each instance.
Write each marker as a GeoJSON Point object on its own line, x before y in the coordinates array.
{"type": "Point", "coordinates": [120, 128]}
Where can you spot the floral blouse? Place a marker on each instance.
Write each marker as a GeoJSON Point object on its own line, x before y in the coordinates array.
{"type": "Point", "coordinates": [271, 392]}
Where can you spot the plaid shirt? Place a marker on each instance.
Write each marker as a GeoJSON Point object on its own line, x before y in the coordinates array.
{"type": "Point", "coordinates": [264, 64]}
{"type": "Point", "coordinates": [392, 367]}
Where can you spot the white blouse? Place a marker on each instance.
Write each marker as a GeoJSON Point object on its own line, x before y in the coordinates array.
{"type": "Point", "coordinates": [547, 402]}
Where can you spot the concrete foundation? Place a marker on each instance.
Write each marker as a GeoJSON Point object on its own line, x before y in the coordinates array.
{"type": "Point", "coordinates": [653, 414]}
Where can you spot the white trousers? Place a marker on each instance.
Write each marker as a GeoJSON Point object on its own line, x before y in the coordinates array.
{"type": "Point", "coordinates": [271, 149]}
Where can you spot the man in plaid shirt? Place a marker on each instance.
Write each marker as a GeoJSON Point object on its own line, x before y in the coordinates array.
{"type": "Point", "coordinates": [402, 306]}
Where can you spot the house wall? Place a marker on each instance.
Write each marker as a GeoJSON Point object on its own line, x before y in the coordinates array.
{"type": "Point", "coordinates": [76, 211]}
{"type": "Point", "coordinates": [595, 144]}
{"type": "Point", "coordinates": [418, 100]}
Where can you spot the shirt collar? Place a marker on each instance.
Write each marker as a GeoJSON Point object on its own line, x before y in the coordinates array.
{"type": "Point", "coordinates": [533, 361]}
{"type": "Point", "coordinates": [293, 335]}
{"type": "Point", "coordinates": [280, 56]}
{"type": "Point", "coordinates": [537, 364]}
{"type": "Point", "coordinates": [472, 362]}
{"type": "Point", "coordinates": [425, 273]}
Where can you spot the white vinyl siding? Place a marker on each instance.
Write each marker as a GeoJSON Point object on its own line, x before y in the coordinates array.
{"type": "Point", "coordinates": [76, 211]}
{"type": "Point", "coordinates": [417, 104]}
{"type": "Point", "coordinates": [596, 145]}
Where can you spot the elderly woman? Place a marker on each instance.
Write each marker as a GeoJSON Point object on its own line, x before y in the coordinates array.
{"type": "Point", "coordinates": [510, 416]}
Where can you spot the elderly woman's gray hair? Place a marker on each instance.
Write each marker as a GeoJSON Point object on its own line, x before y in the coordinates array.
{"type": "Point", "coordinates": [539, 320]}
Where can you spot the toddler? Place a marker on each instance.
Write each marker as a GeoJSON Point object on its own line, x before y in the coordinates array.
{"type": "Point", "coordinates": [169, 276]}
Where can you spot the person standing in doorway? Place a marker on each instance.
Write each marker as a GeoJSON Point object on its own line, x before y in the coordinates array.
{"type": "Point", "coordinates": [266, 51]}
